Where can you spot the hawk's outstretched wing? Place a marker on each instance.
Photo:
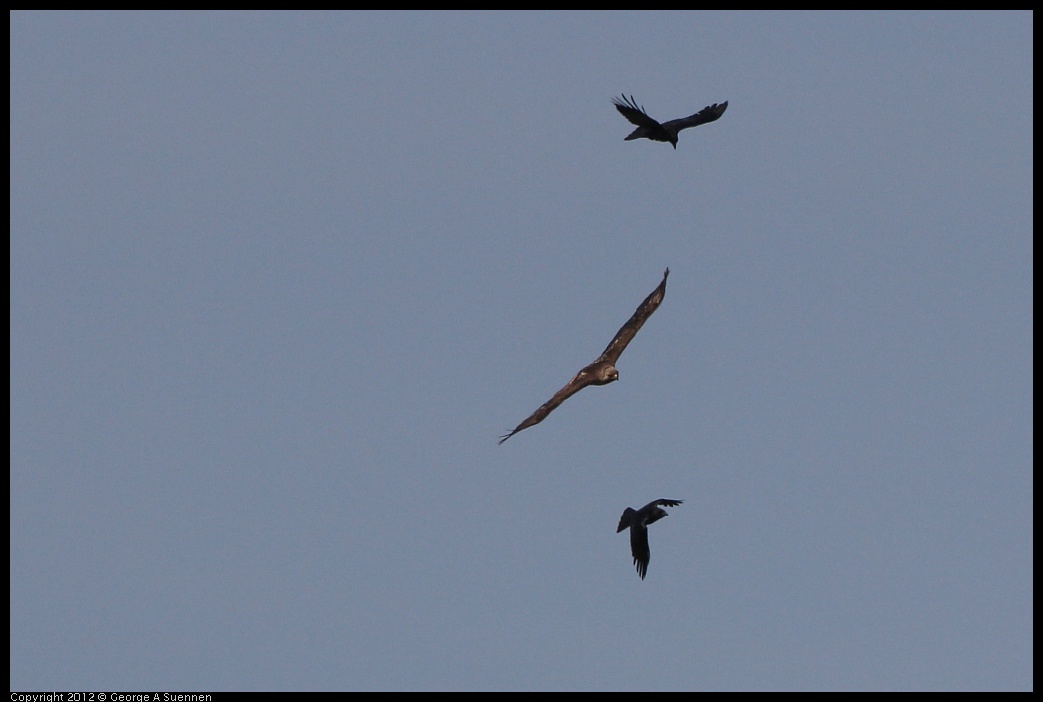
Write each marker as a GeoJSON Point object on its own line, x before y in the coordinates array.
{"type": "Point", "coordinates": [627, 332]}
{"type": "Point", "coordinates": [580, 381]}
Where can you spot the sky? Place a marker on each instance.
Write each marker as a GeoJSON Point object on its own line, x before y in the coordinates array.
{"type": "Point", "coordinates": [279, 281]}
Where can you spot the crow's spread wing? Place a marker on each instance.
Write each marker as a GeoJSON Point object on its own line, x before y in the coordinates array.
{"type": "Point", "coordinates": [707, 114]}
{"type": "Point", "coordinates": [639, 548]}
{"type": "Point", "coordinates": [633, 113]}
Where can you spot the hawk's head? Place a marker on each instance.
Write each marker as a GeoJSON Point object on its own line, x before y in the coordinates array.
{"type": "Point", "coordinates": [605, 373]}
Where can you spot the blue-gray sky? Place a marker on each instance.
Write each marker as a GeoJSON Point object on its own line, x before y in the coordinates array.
{"type": "Point", "coordinates": [279, 281]}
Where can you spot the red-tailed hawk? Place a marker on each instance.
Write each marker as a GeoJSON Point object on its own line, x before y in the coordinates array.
{"type": "Point", "coordinates": [648, 128]}
{"type": "Point", "coordinates": [638, 521]}
{"type": "Point", "coordinates": [603, 370]}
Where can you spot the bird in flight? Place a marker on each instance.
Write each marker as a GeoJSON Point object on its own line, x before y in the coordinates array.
{"type": "Point", "coordinates": [638, 521]}
{"type": "Point", "coordinates": [603, 370]}
{"type": "Point", "coordinates": [648, 128]}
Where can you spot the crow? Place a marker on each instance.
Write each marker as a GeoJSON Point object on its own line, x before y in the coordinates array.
{"type": "Point", "coordinates": [638, 521]}
{"type": "Point", "coordinates": [648, 128]}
